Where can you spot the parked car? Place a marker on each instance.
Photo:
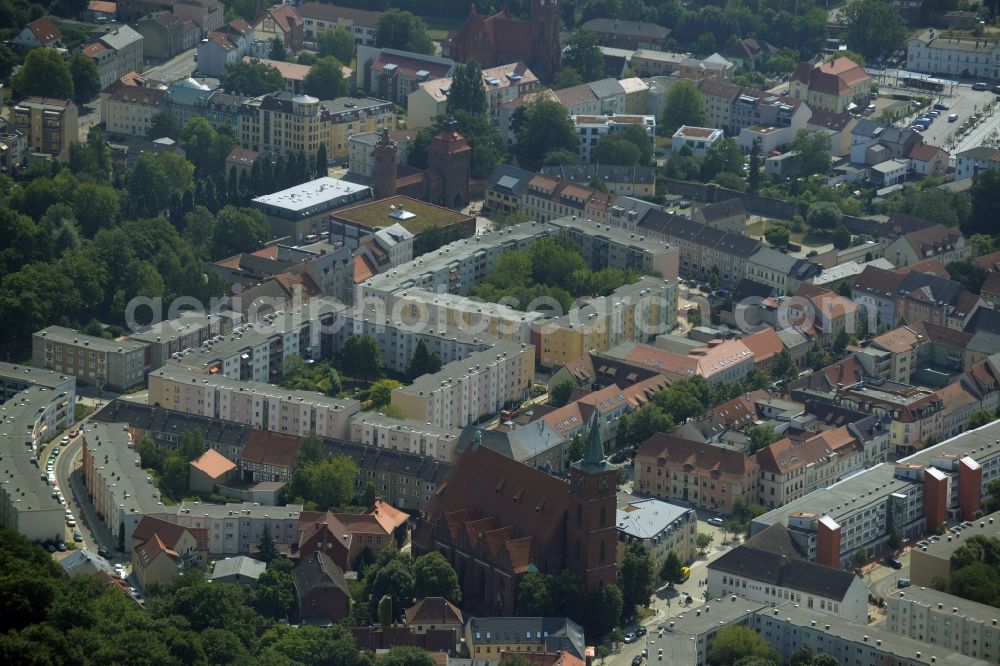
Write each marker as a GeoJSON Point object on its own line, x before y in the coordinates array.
{"type": "Point", "coordinates": [953, 117]}
{"type": "Point", "coordinates": [894, 563]}
{"type": "Point", "coordinates": [640, 631]}
{"type": "Point", "coordinates": [61, 547]}
{"type": "Point", "coordinates": [74, 432]}
{"type": "Point", "coordinates": [903, 582]}
{"type": "Point", "coordinates": [103, 553]}
{"type": "Point", "coordinates": [70, 523]}
{"type": "Point", "coordinates": [636, 660]}
{"type": "Point", "coordinates": [979, 85]}
{"type": "Point", "coordinates": [630, 636]}
{"type": "Point", "coordinates": [941, 106]}
{"type": "Point", "coordinates": [50, 548]}
{"type": "Point", "coordinates": [64, 440]}
{"type": "Point", "coordinates": [77, 537]}
{"type": "Point", "coordinates": [55, 452]}
{"type": "Point", "coordinates": [717, 522]}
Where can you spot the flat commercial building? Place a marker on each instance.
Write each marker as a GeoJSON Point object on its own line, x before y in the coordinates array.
{"type": "Point", "coordinates": [254, 403]}
{"type": "Point", "coordinates": [28, 420]}
{"type": "Point", "coordinates": [944, 620]}
{"type": "Point", "coordinates": [116, 365]}
{"type": "Point", "coordinates": [302, 210]}
{"type": "Point", "coordinates": [119, 487]}
{"type": "Point", "coordinates": [465, 391]}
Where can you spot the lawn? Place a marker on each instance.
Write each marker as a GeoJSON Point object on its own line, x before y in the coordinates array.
{"type": "Point", "coordinates": [439, 26]}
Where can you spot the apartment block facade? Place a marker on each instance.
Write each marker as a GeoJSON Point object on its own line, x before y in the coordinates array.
{"type": "Point", "coordinates": [49, 125]}
{"type": "Point", "coordinates": [116, 365]}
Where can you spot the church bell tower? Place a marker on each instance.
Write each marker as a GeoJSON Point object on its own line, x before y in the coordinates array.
{"type": "Point", "coordinates": [591, 534]}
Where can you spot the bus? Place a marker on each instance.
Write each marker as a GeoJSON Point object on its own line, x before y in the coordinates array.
{"type": "Point", "coordinates": [921, 83]}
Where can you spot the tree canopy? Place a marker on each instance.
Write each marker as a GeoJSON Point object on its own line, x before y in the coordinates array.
{"type": "Point", "coordinates": [682, 106]}
{"type": "Point", "coordinates": [45, 73]}
{"type": "Point", "coordinates": [874, 28]}
{"type": "Point", "coordinates": [398, 29]}
{"type": "Point", "coordinates": [544, 127]}
{"type": "Point", "coordinates": [338, 43]}
{"type": "Point", "coordinates": [467, 92]}
{"type": "Point", "coordinates": [325, 79]}
{"type": "Point", "coordinates": [582, 53]}
{"type": "Point", "coordinates": [251, 78]}
{"type": "Point", "coordinates": [86, 80]}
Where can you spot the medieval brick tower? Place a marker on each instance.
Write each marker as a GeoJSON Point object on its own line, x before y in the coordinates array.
{"type": "Point", "coordinates": [591, 535]}
{"type": "Point", "coordinates": [384, 183]}
{"type": "Point", "coordinates": [448, 162]}
{"type": "Point", "coordinates": [545, 39]}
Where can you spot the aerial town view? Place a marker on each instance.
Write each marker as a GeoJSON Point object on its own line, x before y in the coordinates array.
{"type": "Point", "coordinates": [500, 333]}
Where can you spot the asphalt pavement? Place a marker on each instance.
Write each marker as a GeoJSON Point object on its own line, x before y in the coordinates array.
{"type": "Point", "coordinates": [179, 67]}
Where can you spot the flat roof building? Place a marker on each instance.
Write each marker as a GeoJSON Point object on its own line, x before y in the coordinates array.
{"type": "Point", "coordinates": [116, 365]}
{"type": "Point", "coordinates": [302, 210]}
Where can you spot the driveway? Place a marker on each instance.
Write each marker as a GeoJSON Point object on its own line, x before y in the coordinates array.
{"type": "Point", "coordinates": [179, 67]}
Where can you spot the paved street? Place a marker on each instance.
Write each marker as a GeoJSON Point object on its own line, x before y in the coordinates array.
{"type": "Point", "coordinates": [179, 67]}
{"type": "Point", "coordinates": [669, 603]}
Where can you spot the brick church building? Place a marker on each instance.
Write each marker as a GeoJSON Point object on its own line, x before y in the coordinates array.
{"type": "Point", "coordinates": [445, 181]}
{"type": "Point", "coordinates": [499, 39]}
{"type": "Point", "coordinates": [496, 519]}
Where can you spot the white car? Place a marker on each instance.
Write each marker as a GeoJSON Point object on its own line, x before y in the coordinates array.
{"type": "Point", "coordinates": [64, 440]}
{"type": "Point", "coordinates": [717, 522]}
{"type": "Point", "coordinates": [70, 523]}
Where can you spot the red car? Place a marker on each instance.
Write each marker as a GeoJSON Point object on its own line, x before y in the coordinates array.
{"type": "Point", "coordinates": [73, 433]}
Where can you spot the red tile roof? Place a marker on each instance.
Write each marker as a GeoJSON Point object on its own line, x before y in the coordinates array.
{"type": "Point", "coordinates": [44, 30]}
{"type": "Point", "coordinates": [169, 533]}
{"type": "Point", "coordinates": [271, 448]}
{"type": "Point", "coordinates": [699, 457]}
{"type": "Point", "coordinates": [433, 610]}
{"type": "Point", "coordinates": [764, 344]}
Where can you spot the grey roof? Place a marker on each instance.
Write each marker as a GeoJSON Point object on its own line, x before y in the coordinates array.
{"type": "Point", "coordinates": [941, 289]}
{"type": "Point", "coordinates": [120, 38]}
{"type": "Point", "coordinates": [28, 376]}
{"type": "Point", "coordinates": [606, 88]}
{"type": "Point", "coordinates": [944, 546]}
{"type": "Point", "coordinates": [620, 27]}
{"type": "Point", "coordinates": [956, 606]}
{"type": "Point", "coordinates": [116, 458]}
{"type": "Point", "coordinates": [777, 568]}
{"type": "Point", "coordinates": [189, 321]}
{"type": "Point", "coordinates": [521, 444]}
{"type": "Point", "coordinates": [514, 630]}
{"type": "Point", "coordinates": [648, 518]}
{"type": "Point", "coordinates": [319, 571]}
{"type": "Point", "coordinates": [250, 509]}
{"type": "Point", "coordinates": [69, 336]}
{"type": "Point", "coordinates": [84, 561]}
{"type": "Point", "coordinates": [509, 179]}
{"type": "Point", "coordinates": [454, 371]}
{"type": "Point", "coordinates": [677, 226]}
{"type": "Point", "coordinates": [157, 420]}
{"type": "Point", "coordinates": [314, 193]}
{"type": "Point", "coordinates": [240, 565]}
{"type": "Point", "coordinates": [984, 153]}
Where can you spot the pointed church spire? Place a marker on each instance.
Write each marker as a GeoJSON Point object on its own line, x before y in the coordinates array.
{"type": "Point", "coordinates": [594, 453]}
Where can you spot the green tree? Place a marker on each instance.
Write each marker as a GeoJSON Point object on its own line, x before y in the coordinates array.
{"type": "Point", "coordinates": [612, 149]}
{"type": "Point", "coordinates": [682, 106]}
{"type": "Point", "coordinates": [722, 156]}
{"type": "Point", "coordinates": [325, 79]}
{"type": "Point", "coordinates": [860, 557]}
{"type": "Point", "coordinates": [777, 236]}
{"type": "Point", "coordinates": [405, 655]}
{"type": "Point", "coordinates": [192, 445]}
{"type": "Point", "coordinates": [582, 53]}
{"type": "Point", "coordinates": [968, 273]}
{"type": "Point", "coordinates": [874, 28]}
{"type": "Point", "coordinates": [604, 610]}
{"type": "Point", "coordinates": [423, 361]}
{"type": "Point", "coordinates": [736, 642]}
{"type": "Point", "coordinates": [545, 127]}
{"type": "Point", "coordinates": [45, 73]}
{"type": "Point", "coordinates": [993, 495]}
{"type": "Point", "coordinates": [754, 175]}
{"type": "Point", "coordinates": [976, 582]}
{"type": "Point", "coordinates": [274, 594]}
{"type": "Point", "coordinates": [328, 483]}
{"type": "Point", "coordinates": [642, 424]}
{"type": "Point", "coordinates": [433, 576]}
{"type": "Point", "coordinates": [841, 238]}
{"type": "Point", "coordinates": [311, 450]}
{"type": "Point", "coordinates": [238, 230]}
{"type": "Point", "coordinates": [567, 78]}
{"type": "Point", "coordinates": [671, 572]}
{"type": "Point", "coordinates": [175, 473]}
{"type": "Point", "coordinates": [266, 549]}
{"type": "Point", "coordinates": [277, 50]}
{"type": "Point", "coordinates": [824, 215]}
{"type": "Point", "coordinates": [154, 180]}
{"type": "Point", "coordinates": [533, 597]}
{"type": "Point", "coordinates": [635, 577]}
{"type": "Point", "coordinates": [576, 448]}
{"type": "Point", "coordinates": [985, 193]}
{"type": "Point", "coordinates": [467, 92]}
{"type": "Point", "coordinates": [160, 125]}
{"type": "Point", "coordinates": [380, 393]}
{"type": "Point", "coordinates": [96, 207]}
{"type": "Point", "coordinates": [814, 151]}
{"type": "Point", "coordinates": [560, 393]}
{"type": "Point", "coordinates": [360, 357]}
{"type": "Point", "coordinates": [86, 80]}
{"type": "Point", "coordinates": [703, 541]}
{"type": "Point", "coordinates": [395, 579]}
{"type": "Point", "coordinates": [402, 30]}
{"type": "Point", "coordinates": [337, 43]}
{"type": "Point", "coordinates": [251, 78]}
{"type": "Point", "coordinates": [760, 437]}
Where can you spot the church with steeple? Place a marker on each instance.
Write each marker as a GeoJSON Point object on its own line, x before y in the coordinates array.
{"type": "Point", "coordinates": [501, 39]}
{"type": "Point", "coordinates": [496, 520]}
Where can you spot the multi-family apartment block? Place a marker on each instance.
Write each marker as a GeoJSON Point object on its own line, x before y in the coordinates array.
{"type": "Point", "coordinates": [189, 330]}
{"type": "Point", "coordinates": [941, 619]}
{"type": "Point", "coordinates": [29, 419]}
{"type": "Point", "coordinates": [253, 403]}
{"type": "Point", "coordinates": [411, 436]}
{"type": "Point", "coordinates": [464, 391]}
{"type": "Point", "coordinates": [660, 527]}
{"type": "Point", "coordinates": [119, 488]}
{"type": "Point", "coordinates": [319, 17]}
{"type": "Point", "coordinates": [831, 86]}
{"type": "Point", "coordinates": [590, 130]}
{"type": "Point", "coordinates": [116, 365]}
{"type": "Point", "coordinates": [393, 75]}
{"type": "Point", "coordinates": [502, 84]}
{"type": "Point", "coordinates": [49, 125]}
{"type": "Point", "coordinates": [236, 528]}
{"type": "Point", "coordinates": [966, 56]}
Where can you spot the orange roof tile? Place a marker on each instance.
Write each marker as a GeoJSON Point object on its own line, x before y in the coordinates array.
{"type": "Point", "coordinates": [213, 464]}
{"type": "Point", "coordinates": [388, 516]}
{"type": "Point", "coordinates": [764, 344]}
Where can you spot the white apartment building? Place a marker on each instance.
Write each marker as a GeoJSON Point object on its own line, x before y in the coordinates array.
{"type": "Point", "coordinates": [29, 419]}
{"type": "Point", "coordinates": [696, 139]}
{"type": "Point", "coordinates": [319, 17]}
{"type": "Point", "coordinates": [374, 429]}
{"type": "Point", "coordinates": [253, 403]}
{"type": "Point", "coordinates": [660, 527]}
{"type": "Point", "coordinates": [960, 56]}
{"type": "Point", "coordinates": [118, 486]}
{"type": "Point", "coordinates": [944, 620]}
{"type": "Point", "coordinates": [502, 84]}
{"type": "Point", "coordinates": [590, 129]}
{"type": "Point", "coordinates": [465, 391]}
{"type": "Point", "coordinates": [236, 528]}
{"type": "Point", "coordinates": [789, 470]}
{"type": "Point", "coordinates": [970, 162]}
